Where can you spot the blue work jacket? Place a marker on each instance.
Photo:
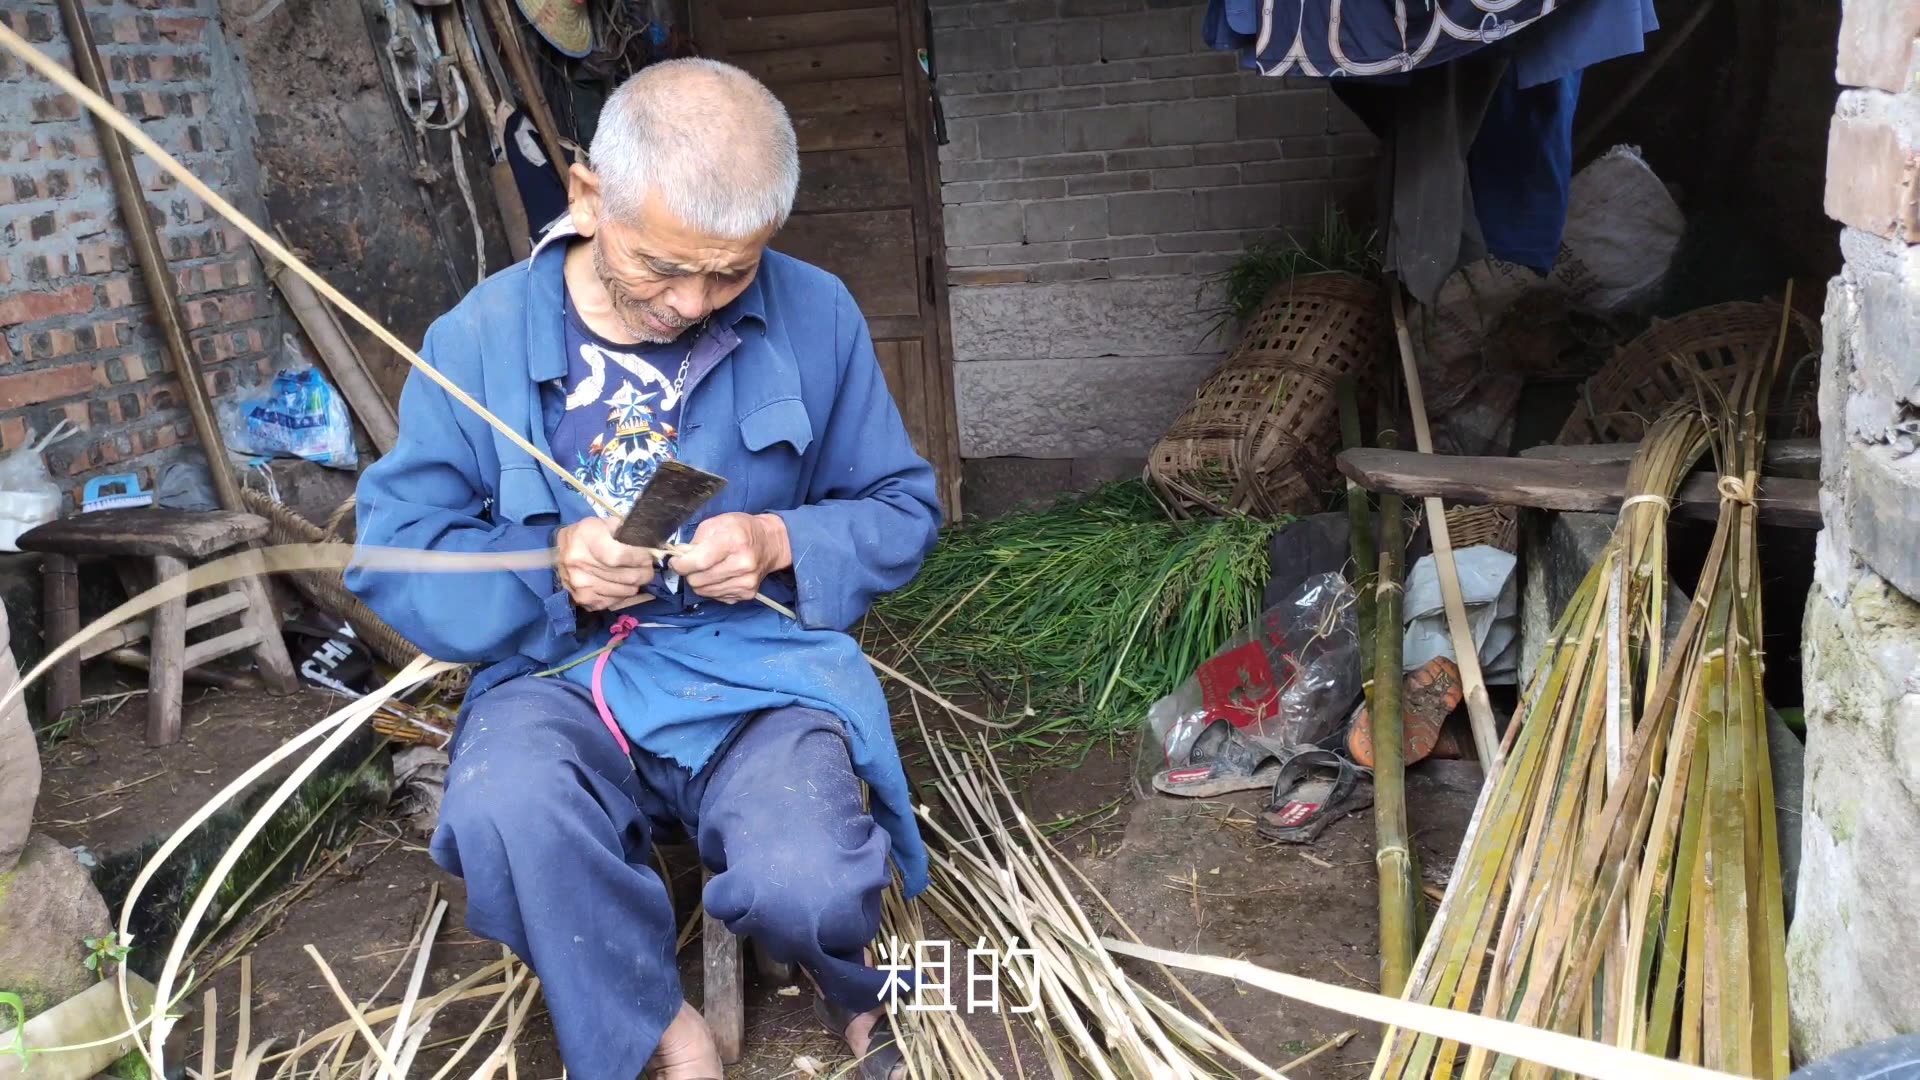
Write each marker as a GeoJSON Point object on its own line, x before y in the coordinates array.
{"type": "Point", "coordinates": [785, 399]}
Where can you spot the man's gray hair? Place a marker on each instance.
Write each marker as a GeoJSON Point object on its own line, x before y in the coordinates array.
{"type": "Point", "coordinates": [706, 138]}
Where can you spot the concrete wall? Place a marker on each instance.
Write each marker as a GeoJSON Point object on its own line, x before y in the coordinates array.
{"type": "Point", "coordinates": [76, 336]}
{"type": "Point", "coordinates": [1102, 164]}
{"type": "Point", "coordinates": [1850, 949]}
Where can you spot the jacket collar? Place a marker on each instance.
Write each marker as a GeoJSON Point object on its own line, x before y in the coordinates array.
{"type": "Point", "coordinates": [547, 287]}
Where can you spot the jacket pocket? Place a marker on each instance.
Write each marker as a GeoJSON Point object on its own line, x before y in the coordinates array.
{"type": "Point", "coordinates": [524, 497]}
{"type": "Point", "coordinates": [776, 435]}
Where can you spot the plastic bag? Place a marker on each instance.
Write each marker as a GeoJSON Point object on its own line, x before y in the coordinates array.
{"type": "Point", "coordinates": [28, 494]}
{"type": "Point", "coordinates": [302, 416]}
{"type": "Point", "coordinates": [1490, 588]}
{"type": "Point", "coordinates": [1291, 678]}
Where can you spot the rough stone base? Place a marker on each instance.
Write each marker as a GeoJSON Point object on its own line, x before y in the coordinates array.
{"type": "Point", "coordinates": [48, 906]}
{"type": "Point", "coordinates": [19, 763]}
{"type": "Point", "coordinates": [1851, 975]}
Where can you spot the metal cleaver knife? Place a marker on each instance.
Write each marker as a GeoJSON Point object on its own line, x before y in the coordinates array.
{"type": "Point", "coordinates": [672, 496]}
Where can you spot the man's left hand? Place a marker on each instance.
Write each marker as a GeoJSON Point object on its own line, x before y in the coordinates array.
{"type": "Point", "coordinates": [731, 554]}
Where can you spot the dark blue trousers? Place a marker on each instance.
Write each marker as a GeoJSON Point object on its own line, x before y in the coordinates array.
{"type": "Point", "coordinates": [550, 825]}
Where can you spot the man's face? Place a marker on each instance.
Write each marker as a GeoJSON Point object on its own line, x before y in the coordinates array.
{"type": "Point", "coordinates": [660, 275]}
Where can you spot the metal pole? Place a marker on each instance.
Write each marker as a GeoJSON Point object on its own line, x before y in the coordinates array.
{"type": "Point", "coordinates": [153, 263]}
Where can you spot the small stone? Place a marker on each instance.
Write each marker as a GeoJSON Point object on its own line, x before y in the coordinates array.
{"type": "Point", "coordinates": [48, 908]}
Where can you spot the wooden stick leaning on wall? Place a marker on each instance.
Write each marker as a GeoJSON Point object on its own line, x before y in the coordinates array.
{"type": "Point", "coordinates": [508, 34]}
{"type": "Point", "coordinates": [153, 262]}
{"type": "Point", "coordinates": [1486, 738]}
{"type": "Point", "coordinates": [338, 356]}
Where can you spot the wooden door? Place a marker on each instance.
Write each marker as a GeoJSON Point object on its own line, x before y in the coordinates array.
{"type": "Point", "coordinates": [849, 74]}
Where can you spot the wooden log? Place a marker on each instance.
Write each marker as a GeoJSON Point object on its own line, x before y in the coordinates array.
{"type": "Point", "coordinates": [1561, 485]}
{"type": "Point", "coordinates": [1784, 457]}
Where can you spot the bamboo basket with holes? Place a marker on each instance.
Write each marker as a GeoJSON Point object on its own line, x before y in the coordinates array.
{"type": "Point", "coordinates": [1674, 359]}
{"type": "Point", "coordinates": [1260, 435]}
{"type": "Point", "coordinates": [326, 588]}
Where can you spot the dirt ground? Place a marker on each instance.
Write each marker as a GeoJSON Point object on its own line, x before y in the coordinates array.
{"type": "Point", "coordinates": [1184, 874]}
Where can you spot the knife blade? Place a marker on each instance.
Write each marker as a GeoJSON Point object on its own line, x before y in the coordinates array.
{"type": "Point", "coordinates": [670, 498]}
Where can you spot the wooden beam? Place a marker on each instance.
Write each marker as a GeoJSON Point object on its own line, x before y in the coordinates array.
{"type": "Point", "coordinates": [1784, 457]}
{"type": "Point", "coordinates": [1560, 485]}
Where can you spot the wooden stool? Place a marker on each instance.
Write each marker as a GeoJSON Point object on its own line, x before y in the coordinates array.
{"type": "Point", "coordinates": [723, 1001]}
{"type": "Point", "coordinates": [164, 540]}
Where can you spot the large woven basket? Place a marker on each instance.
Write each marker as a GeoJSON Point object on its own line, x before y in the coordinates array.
{"type": "Point", "coordinates": [325, 588]}
{"type": "Point", "coordinates": [1692, 355]}
{"type": "Point", "coordinates": [1696, 356]}
{"type": "Point", "coordinates": [1261, 433]}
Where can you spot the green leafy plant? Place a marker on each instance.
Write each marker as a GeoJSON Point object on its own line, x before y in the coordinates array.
{"type": "Point", "coordinates": [1336, 245]}
{"type": "Point", "coordinates": [1076, 617]}
{"type": "Point", "coordinates": [103, 953]}
{"type": "Point", "coordinates": [18, 1048]}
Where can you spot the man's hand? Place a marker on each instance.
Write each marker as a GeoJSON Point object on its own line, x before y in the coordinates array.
{"type": "Point", "coordinates": [732, 554]}
{"type": "Point", "coordinates": [599, 572]}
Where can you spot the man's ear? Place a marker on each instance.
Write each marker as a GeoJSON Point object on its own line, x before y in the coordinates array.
{"type": "Point", "coordinates": [583, 198]}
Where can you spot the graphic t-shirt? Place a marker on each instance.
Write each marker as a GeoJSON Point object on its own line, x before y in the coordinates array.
{"type": "Point", "coordinates": [621, 411]}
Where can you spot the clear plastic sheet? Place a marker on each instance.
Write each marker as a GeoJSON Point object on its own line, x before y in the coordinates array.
{"type": "Point", "coordinates": [1290, 679]}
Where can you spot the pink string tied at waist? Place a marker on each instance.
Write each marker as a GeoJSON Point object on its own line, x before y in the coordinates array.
{"type": "Point", "coordinates": [622, 627]}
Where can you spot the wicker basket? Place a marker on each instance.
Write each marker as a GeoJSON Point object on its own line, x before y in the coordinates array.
{"type": "Point", "coordinates": [1664, 365]}
{"type": "Point", "coordinates": [326, 588]}
{"type": "Point", "coordinates": [1653, 371]}
{"type": "Point", "coordinates": [1260, 435]}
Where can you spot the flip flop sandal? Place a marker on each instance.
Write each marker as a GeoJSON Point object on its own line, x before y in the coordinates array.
{"type": "Point", "coordinates": [1315, 788]}
{"type": "Point", "coordinates": [883, 1054]}
{"type": "Point", "coordinates": [1428, 696]}
{"type": "Point", "coordinates": [1223, 759]}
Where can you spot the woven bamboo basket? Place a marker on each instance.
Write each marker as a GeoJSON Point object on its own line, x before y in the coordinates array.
{"type": "Point", "coordinates": [1260, 435]}
{"type": "Point", "coordinates": [326, 588]}
{"type": "Point", "coordinates": [1653, 371]}
{"type": "Point", "coordinates": [1690, 356]}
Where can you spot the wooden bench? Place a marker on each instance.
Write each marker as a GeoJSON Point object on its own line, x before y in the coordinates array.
{"type": "Point", "coordinates": [147, 546]}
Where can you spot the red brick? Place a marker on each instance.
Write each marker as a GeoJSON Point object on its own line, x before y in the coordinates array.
{"type": "Point", "coordinates": [1877, 40]}
{"type": "Point", "coordinates": [96, 258]}
{"type": "Point", "coordinates": [117, 293]}
{"type": "Point", "coordinates": [181, 29]}
{"type": "Point", "coordinates": [1870, 178]}
{"type": "Point", "coordinates": [13, 432]}
{"type": "Point", "coordinates": [46, 384]}
{"type": "Point", "coordinates": [25, 307]}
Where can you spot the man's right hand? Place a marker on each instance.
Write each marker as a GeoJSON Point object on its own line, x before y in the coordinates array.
{"type": "Point", "coordinates": [599, 572]}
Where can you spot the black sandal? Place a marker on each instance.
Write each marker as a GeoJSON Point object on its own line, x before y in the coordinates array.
{"type": "Point", "coordinates": [1306, 799]}
{"type": "Point", "coordinates": [1223, 759]}
{"type": "Point", "coordinates": [883, 1054]}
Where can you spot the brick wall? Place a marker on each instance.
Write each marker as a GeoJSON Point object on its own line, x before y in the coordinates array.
{"type": "Point", "coordinates": [76, 337]}
{"type": "Point", "coordinates": [1102, 165]}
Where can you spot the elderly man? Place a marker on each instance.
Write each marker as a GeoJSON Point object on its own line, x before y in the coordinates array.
{"type": "Point", "coordinates": [653, 323]}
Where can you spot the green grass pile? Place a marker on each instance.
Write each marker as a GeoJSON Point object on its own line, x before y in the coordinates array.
{"type": "Point", "coordinates": [1078, 616]}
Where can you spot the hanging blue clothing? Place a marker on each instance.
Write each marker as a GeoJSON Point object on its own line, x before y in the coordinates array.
{"type": "Point", "coordinates": [1521, 169]}
{"type": "Point", "coordinates": [785, 398]}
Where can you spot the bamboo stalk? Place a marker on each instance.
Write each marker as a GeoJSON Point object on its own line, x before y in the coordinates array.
{"type": "Point", "coordinates": [1399, 898]}
{"type": "Point", "coordinates": [1486, 738]}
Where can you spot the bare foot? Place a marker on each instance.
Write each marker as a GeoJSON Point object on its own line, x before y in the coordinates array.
{"type": "Point", "coordinates": [687, 1050]}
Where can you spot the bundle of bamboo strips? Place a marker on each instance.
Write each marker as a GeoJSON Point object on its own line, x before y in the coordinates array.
{"type": "Point", "coordinates": [1583, 902]}
{"type": "Point", "coordinates": [1561, 751]}
{"type": "Point", "coordinates": [1005, 886]}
